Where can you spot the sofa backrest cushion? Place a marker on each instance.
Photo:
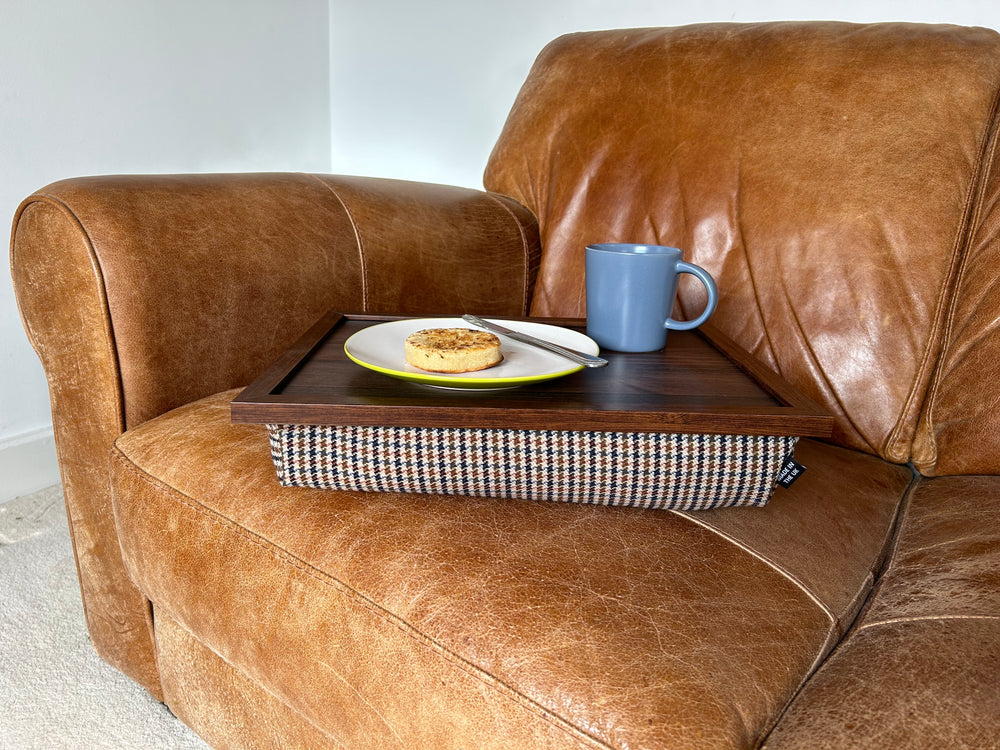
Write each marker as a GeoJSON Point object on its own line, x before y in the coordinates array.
{"type": "Point", "coordinates": [831, 177]}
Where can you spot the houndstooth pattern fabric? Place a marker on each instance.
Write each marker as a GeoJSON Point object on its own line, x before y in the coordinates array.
{"type": "Point", "coordinates": [643, 470]}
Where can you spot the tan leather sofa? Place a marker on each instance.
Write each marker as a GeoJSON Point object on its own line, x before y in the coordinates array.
{"type": "Point", "coordinates": [839, 181]}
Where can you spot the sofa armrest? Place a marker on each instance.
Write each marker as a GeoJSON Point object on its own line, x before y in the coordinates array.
{"type": "Point", "coordinates": [142, 293]}
{"type": "Point", "coordinates": [206, 278]}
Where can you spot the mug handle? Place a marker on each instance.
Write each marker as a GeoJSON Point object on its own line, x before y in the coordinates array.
{"type": "Point", "coordinates": [713, 298]}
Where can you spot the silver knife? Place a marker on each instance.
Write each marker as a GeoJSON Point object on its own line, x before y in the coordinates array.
{"type": "Point", "coordinates": [580, 358]}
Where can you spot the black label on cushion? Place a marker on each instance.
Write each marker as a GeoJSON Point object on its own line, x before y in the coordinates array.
{"type": "Point", "coordinates": [790, 471]}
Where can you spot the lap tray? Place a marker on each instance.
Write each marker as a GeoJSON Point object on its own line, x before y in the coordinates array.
{"type": "Point", "coordinates": [698, 425]}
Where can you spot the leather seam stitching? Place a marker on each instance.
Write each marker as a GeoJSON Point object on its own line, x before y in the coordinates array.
{"type": "Point", "coordinates": [923, 618]}
{"type": "Point", "coordinates": [352, 594]}
{"type": "Point", "coordinates": [362, 255]}
{"type": "Point", "coordinates": [794, 580]}
{"type": "Point", "coordinates": [525, 301]}
{"type": "Point", "coordinates": [834, 632]}
{"type": "Point", "coordinates": [95, 264]}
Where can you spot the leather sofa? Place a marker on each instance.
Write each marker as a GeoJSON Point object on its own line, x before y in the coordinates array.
{"type": "Point", "coordinates": [839, 181]}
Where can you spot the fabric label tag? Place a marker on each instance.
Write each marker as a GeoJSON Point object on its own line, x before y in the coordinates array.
{"type": "Point", "coordinates": [790, 471]}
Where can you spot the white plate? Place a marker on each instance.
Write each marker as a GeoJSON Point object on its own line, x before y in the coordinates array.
{"type": "Point", "coordinates": [380, 348]}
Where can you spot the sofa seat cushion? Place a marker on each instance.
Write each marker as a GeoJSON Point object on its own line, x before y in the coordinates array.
{"type": "Point", "coordinates": [922, 667]}
{"type": "Point", "coordinates": [443, 621]}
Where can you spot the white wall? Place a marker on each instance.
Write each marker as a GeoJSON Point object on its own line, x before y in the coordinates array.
{"type": "Point", "coordinates": [146, 86]}
{"type": "Point", "coordinates": [420, 90]}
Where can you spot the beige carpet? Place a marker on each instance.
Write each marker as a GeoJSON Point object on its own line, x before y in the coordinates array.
{"type": "Point", "coordinates": [55, 692]}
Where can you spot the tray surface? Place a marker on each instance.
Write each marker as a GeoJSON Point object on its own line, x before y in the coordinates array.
{"type": "Point", "coordinates": [701, 382]}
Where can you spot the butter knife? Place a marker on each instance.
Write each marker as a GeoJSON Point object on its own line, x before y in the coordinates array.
{"type": "Point", "coordinates": [589, 360]}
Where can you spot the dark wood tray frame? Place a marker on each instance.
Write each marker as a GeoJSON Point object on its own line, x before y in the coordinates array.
{"type": "Point", "coordinates": [701, 383]}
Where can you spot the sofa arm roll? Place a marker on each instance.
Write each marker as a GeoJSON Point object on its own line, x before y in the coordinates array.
{"type": "Point", "coordinates": [142, 293]}
{"type": "Point", "coordinates": [207, 278]}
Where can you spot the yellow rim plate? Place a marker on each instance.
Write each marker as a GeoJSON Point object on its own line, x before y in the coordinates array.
{"type": "Point", "coordinates": [380, 348]}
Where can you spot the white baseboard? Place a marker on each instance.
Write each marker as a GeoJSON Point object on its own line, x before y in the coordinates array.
{"type": "Point", "coordinates": [27, 463]}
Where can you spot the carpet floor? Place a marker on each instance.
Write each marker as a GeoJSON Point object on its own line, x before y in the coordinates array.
{"type": "Point", "coordinates": [55, 692]}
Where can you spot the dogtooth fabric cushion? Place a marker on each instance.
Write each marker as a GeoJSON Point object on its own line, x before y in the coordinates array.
{"type": "Point", "coordinates": [639, 470]}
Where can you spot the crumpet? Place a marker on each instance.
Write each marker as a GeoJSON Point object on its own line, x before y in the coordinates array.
{"type": "Point", "coordinates": [452, 350]}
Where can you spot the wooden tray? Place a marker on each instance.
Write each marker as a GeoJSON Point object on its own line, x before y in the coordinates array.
{"type": "Point", "coordinates": [700, 383]}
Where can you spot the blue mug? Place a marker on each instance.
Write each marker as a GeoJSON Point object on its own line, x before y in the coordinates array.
{"type": "Point", "coordinates": [630, 295]}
